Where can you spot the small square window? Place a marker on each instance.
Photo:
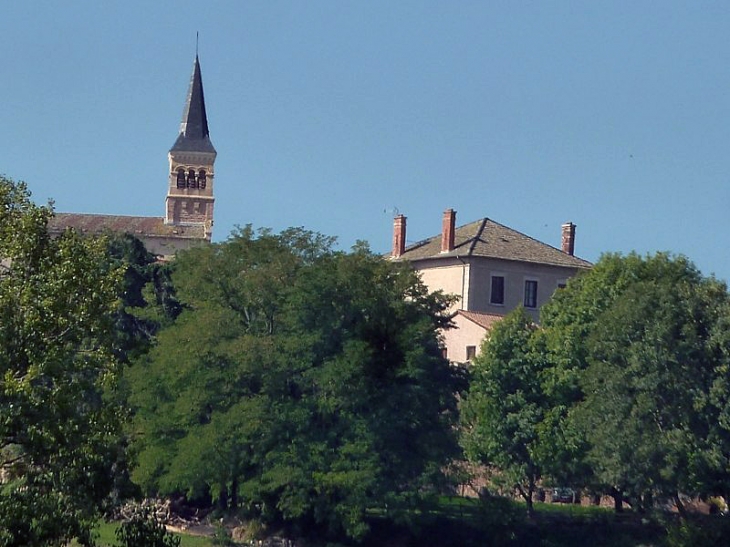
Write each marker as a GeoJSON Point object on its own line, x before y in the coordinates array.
{"type": "Point", "coordinates": [497, 294]}
{"type": "Point", "coordinates": [530, 293]}
{"type": "Point", "coordinates": [471, 352]}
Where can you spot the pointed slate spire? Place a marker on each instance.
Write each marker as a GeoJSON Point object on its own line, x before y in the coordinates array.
{"type": "Point", "coordinates": [194, 136]}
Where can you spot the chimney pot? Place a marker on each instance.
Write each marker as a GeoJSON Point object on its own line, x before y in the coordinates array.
{"type": "Point", "coordinates": [568, 239]}
{"type": "Point", "coordinates": [399, 236]}
{"type": "Point", "coordinates": [447, 232]}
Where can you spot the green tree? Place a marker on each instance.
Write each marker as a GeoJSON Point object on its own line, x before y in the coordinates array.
{"type": "Point", "coordinates": [567, 320]}
{"type": "Point", "coordinates": [505, 405]}
{"type": "Point", "coordinates": [715, 466]}
{"type": "Point", "coordinates": [632, 365]}
{"type": "Point", "coordinates": [147, 296]}
{"type": "Point", "coordinates": [59, 437]}
{"type": "Point", "coordinates": [303, 384]}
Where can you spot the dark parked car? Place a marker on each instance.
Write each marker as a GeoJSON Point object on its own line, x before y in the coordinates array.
{"type": "Point", "coordinates": [563, 495]}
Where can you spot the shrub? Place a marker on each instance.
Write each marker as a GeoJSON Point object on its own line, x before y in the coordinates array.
{"type": "Point", "coordinates": [222, 538]}
{"type": "Point", "coordinates": [145, 530]}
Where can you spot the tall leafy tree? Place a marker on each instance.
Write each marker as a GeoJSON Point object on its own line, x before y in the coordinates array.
{"type": "Point", "coordinates": [715, 465]}
{"type": "Point", "coordinates": [566, 322]}
{"type": "Point", "coordinates": [505, 405]}
{"type": "Point", "coordinates": [632, 365]}
{"type": "Point", "coordinates": [623, 389]}
{"type": "Point", "coordinates": [59, 437]}
{"type": "Point", "coordinates": [304, 384]}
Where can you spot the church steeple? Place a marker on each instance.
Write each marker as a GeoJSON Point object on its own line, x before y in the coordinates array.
{"type": "Point", "coordinates": [194, 134]}
{"type": "Point", "coordinates": [190, 191]}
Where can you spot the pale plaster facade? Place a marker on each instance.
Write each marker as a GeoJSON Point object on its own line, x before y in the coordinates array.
{"type": "Point", "coordinates": [470, 279]}
{"type": "Point", "coordinates": [469, 331]}
{"type": "Point", "coordinates": [491, 270]}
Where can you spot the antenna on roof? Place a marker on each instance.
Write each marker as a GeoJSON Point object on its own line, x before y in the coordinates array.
{"type": "Point", "coordinates": [196, 43]}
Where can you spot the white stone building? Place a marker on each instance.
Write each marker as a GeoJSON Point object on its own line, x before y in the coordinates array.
{"type": "Point", "coordinates": [491, 269]}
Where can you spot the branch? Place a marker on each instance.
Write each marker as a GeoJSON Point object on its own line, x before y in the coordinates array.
{"type": "Point", "coordinates": [12, 461]}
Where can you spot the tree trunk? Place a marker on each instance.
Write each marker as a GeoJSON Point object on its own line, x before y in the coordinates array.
{"type": "Point", "coordinates": [234, 494]}
{"type": "Point", "coordinates": [680, 506]}
{"type": "Point", "coordinates": [223, 498]}
{"type": "Point", "coordinates": [527, 496]}
{"type": "Point", "coordinates": [618, 499]}
{"type": "Point", "coordinates": [648, 501]}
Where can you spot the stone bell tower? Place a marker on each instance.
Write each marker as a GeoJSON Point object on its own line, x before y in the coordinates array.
{"type": "Point", "coordinates": [190, 199]}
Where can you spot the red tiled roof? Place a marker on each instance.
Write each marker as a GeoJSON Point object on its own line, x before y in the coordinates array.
{"type": "Point", "coordinates": [484, 320]}
{"type": "Point", "coordinates": [136, 226]}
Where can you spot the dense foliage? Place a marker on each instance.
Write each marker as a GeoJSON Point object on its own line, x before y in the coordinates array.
{"type": "Point", "coordinates": [59, 437]}
{"type": "Point", "coordinates": [506, 406]}
{"type": "Point", "coordinates": [623, 388]}
{"type": "Point", "coordinates": [146, 295]}
{"type": "Point", "coordinates": [303, 385]}
{"type": "Point", "coordinates": [143, 529]}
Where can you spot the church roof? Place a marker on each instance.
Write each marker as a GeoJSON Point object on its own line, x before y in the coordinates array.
{"type": "Point", "coordinates": [489, 239]}
{"type": "Point", "coordinates": [141, 227]}
{"type": "Point", "coordinates": [194, 135]}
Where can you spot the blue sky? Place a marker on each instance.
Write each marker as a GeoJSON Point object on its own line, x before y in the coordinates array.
{"type": "Point", "coordinates": [335, 115]}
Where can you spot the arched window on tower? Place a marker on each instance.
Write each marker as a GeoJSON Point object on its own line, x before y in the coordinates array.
{"type": "Point", "coordinates": [201, 179]}
{"type": "Point", "coordinates": [181, 178]}
{"type": "Point", "coordinates": [192, 182]}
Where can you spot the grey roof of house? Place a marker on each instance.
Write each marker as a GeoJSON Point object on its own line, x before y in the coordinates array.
{"type": "Point", "coordinates": [489, 239]}
{"type": "Point", "coordinates": [137, 226]}
{"type": "Point", "coordinates": [194, 135]}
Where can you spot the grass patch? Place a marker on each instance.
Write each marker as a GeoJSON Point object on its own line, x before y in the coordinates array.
{"type": "Point", "coordinates": [107, 537]}
{"type": "Point", "coordinates": [497, 521]}
{"type": "Point", "coordinates": [574, 510]}
{"type": "Point", "coordinates": [106, 531]}
{"type": "Point", "coordinates": [451, 521]}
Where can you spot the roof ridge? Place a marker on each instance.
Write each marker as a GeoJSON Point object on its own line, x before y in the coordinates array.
{"type": "Point", "coordinates": [478, 235]}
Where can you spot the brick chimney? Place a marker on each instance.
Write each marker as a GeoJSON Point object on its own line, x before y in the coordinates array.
{"type": "Point", "coordinates": [447, 231]}
{"type": "Point", "coordinates": [399, 236]}
{"type": "Point", "coordinates": [568, 239]}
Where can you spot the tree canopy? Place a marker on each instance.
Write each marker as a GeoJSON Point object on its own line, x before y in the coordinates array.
{"type": "Point", "coordinates": [306, 387]}
{"type": "Point", "coordinates": [59, 437]}
{"type": "Point", "coordinates": [623, 388]}
{"type": "Point", "coordinates": [299, 383]}
{"type": "Point", "coordinates": [649, 367]}
{"type": "Point", "coordinates": [505, 405]}
{"type": "Point", "coordinates": [146, 295]}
